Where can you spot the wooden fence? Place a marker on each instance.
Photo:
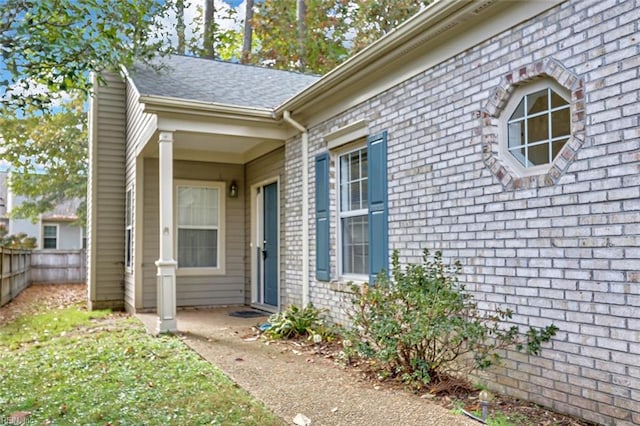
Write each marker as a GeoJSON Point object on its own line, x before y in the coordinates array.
{"type": "Point", "coordinates": [14, 273]}
{"type": "Point", "coordinates": [58, 266]}
{"type": "Point", "coordinates": [20, 268]}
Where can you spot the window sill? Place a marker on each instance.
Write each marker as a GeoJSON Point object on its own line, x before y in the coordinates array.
{"type": "Point", "coordinates": [199, 272]}
{"type": "Point", "coordinates": [344, 285]}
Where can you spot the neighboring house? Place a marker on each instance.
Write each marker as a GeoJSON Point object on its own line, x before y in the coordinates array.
{"type": "Point", "coordinates": [55, 230]}
{"type": "Point", "coordinates": [503, 133]}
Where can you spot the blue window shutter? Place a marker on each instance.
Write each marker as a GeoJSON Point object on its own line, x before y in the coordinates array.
{"type": "Point", "coordinates": [378, 205]}
{"type": "Point", "coordinates": [322, 217]}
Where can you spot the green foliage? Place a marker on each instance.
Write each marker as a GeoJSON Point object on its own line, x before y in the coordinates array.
{"type": "Point", "coordinates": [335, 29]}
{"type": "Point", "coordinates": [50, 46]}
{"type": "Point", "coordinates": [111, 371]}
{"type": "Point", "coordinates": [20, 241]}
{"type": "Point", "coordinates": [423, 326]}
{"type": "Point", "coordinates": [276, 30]}
{"type": "Point", "coordinates": [373, 19]}
{"type": "Point", "coordinates": [227, 42]}
{"type": "Point", "coordinates": [295, 322]}
{"type": "Point", "coordinates": [48, 154]}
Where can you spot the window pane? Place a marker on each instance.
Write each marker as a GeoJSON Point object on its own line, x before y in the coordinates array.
{"type": "Point", "coordinates": [129, 251]}
{"type": "Point", "coordinates": [561, 123]}
{"type": "Point", "coordinates": [355, 245]}
{"type": "Point", "coordinates": [197, 248]}
{"type": "Point", "coordinates": [344, 183]}
{"type": "Point", "coordinates": [539, 154]}
{"type": "Point", "coordinates": [365, 194]}
{"type": "Point", "coordinates": [557, 100]}
{"type": "Point", "coordinates": [355, 196]}
{"type": "Point", "coordinates": [49, 243]}
{"type": "Point", "coordinates": [538, 128]}
{"type": "Point", "coordinates": [519, 153]}
{"type": "Point", "coordinates": [363, 162]}
{"type": "Point", "coordinates": [519, 112]}
{"type": "Point", "coordinates": [556, 147]}
{"type": "Point", "coordinates": [516, 134]}
{"type": "Point", "coordinates": [354, 164]}
{"type": "Point", "coordinates": [128, 209]}
{"type": "Point", "coordinates": [50, 231]}
{"type": "Point", "coordinates": [537, 102]}
{"type": "Point", "coordinates": [353, 181]}
{"type": "Point", "coordinates": [197, 206]}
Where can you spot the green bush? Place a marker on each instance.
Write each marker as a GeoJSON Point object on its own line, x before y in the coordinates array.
{"type": "Point", "coordinates": [295, 322]}
{"type": "Point", "coordinates": [423, 327]}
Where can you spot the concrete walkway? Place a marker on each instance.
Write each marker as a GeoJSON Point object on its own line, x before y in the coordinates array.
{"type": "Point", "coordinates": [291, 384]}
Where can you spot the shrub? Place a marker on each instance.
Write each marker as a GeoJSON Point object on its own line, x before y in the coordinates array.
{"type": "Point", "coordinates": [295, 322]}
{"type": "Point", "coordinates": [423, 327]}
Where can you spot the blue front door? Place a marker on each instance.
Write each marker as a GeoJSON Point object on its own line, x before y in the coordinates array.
{"type": "Point", "coordinates": [270, 244]}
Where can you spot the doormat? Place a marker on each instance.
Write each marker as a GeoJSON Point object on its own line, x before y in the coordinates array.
{"type": "Point", "coordinates": [247, 314]}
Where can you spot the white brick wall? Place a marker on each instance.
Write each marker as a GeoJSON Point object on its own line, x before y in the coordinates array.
{"type": "Point", "coordinates": [566, 253]}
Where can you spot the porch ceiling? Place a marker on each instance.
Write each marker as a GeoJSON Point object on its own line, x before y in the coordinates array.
{"type": "Point", "coordinates": [217, 139]}
{"type": "Point", "coordinates": [216, 148]}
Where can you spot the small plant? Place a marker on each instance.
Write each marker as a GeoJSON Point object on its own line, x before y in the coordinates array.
{"type": "Point", "coordinates": [295, 322]}
{"type": "Point", "coordinates": [424, 328]}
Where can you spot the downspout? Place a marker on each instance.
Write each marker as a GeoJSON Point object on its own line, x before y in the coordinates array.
{"type": "Point", "coordinates": [305, 205]}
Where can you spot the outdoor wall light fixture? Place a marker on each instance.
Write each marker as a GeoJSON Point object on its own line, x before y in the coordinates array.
{"type": "Point", "coordinates": [233, 189]}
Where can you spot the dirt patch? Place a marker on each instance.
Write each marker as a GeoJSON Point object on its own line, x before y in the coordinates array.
{"type": "Point", "coordinates": [44, 297]}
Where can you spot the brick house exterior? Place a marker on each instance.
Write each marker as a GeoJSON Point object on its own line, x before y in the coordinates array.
{"type": "Point", "coordinates": [555, 240]}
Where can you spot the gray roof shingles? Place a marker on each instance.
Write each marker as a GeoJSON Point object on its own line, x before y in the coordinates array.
{"type": "Point", "coordinates": [213, 81]}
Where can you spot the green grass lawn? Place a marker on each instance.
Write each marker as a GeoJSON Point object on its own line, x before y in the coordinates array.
{"type": "Point", "coordinates": [70, 366]}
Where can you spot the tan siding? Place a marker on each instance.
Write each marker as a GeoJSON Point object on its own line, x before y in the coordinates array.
{"type": "Point", "coordinates": [225, 289]}
{"type": "Point", "coordinates": [137, 121]}
{"type": "Point", "coordinates": [267, 167]}
{"type": "Point", "coordinates": [106, 195]}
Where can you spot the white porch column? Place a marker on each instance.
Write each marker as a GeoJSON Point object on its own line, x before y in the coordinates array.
{"type": "Point", "coordinates": [166, 263]}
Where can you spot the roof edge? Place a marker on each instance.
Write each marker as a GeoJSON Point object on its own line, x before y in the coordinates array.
{"type": "Point", "coordinates": [158, 104]}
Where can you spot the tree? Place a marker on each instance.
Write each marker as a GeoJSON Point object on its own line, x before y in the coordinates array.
{"type": "Point", "coordinates": [50, 46]}
{"type": "Point", "coordinates": [20, 241]}
{"type": "Point", "coordinates": [317, 35]}
{"type": "Point", "coordinates": [48, 154]}
{"type": "Point", "coordinates": [281, 44]}
{"type": "Point", "coordinates": [374, 18]}
{"type": "Point", "coordinates": [247, 34]}
{"type": "Point", "coordinates": [180, 26]}
{"type": "Point", "coordinates": [301, 20]}
{"type": "Point", "coordinates": [209, 33]}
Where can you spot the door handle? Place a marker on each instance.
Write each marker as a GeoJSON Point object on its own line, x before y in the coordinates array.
{"type": "Point", "coordinates": [264, 254]}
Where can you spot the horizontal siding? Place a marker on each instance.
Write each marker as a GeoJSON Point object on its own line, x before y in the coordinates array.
{"type": "Point", "coordinates": [106, 183]}
{"type": "Point", "coordinates": [214, 290]}
{"type": "Point", "coordinates": [259, 170]}
{"type": "Point", "coordinates": [137, 121]}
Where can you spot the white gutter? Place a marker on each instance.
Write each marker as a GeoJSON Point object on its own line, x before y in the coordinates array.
{"type": "Point", "coordinates": [154, 103]}
{"type": "Point", "coordinates": [305, 205]}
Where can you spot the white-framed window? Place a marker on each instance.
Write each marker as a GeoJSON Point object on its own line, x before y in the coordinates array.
{"type": "Point", "coordinates": [353, 213]}
{"type": "Point", "coordinates": [200, 227]}
{"type": "Point", "coordinates": [128, 257]}
{"type": "Point", "coordinates": [536, 126]}
{"type": "Point", "coordinates": [50, 237]}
